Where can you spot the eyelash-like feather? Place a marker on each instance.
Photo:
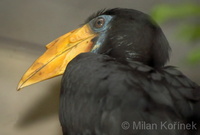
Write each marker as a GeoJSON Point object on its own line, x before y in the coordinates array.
{"type": "Point", "coordinates": [100, 12]}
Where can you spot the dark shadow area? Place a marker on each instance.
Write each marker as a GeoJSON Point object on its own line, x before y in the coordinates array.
{"type": "Point", "coordinates": [44, 108]}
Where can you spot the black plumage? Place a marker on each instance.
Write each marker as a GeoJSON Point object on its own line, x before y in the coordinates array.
{"type": "Point", "coordinates": [126, 80]}
{"type": "Point", "coordinates": [135, 36]}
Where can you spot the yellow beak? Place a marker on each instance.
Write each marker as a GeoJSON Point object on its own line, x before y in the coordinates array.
{"type": "Point", "coordinates": [58, 54]}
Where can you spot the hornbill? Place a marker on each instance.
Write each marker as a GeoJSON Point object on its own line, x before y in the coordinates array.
{"type": "Point", "coordinates": [115, 81]}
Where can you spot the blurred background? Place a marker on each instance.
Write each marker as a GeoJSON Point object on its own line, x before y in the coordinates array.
{"type": "Point", "coordinates": [27, 26]}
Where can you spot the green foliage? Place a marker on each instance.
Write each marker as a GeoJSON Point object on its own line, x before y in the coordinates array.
{"type": "Point", "coordinates": [189, 31]}
{"type": "Point", "coordinates": [163, 13]}
{"type": "Point", "coordinates": [194, 57]}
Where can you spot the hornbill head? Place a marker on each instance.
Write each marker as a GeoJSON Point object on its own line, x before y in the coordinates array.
{"type": "Point", "coordinates": [124, 34]}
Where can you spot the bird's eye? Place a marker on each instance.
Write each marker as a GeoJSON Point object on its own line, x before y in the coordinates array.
{"type": "Point", "coordinates": [99, 22]}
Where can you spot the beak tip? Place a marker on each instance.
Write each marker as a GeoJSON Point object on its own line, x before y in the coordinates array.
{"type": "Point", "coordinates": [19, 87]}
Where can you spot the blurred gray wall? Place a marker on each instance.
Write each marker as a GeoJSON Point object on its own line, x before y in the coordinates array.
{"type": "Point", "coordinates": [26, 26]}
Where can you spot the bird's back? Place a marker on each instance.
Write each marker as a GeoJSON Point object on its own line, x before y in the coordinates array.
{"type": "Point", "coordinates": [100, 96]}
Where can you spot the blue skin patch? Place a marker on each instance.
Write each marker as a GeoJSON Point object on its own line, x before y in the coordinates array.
{"type": "Point", "coordinates": [102, 31]}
